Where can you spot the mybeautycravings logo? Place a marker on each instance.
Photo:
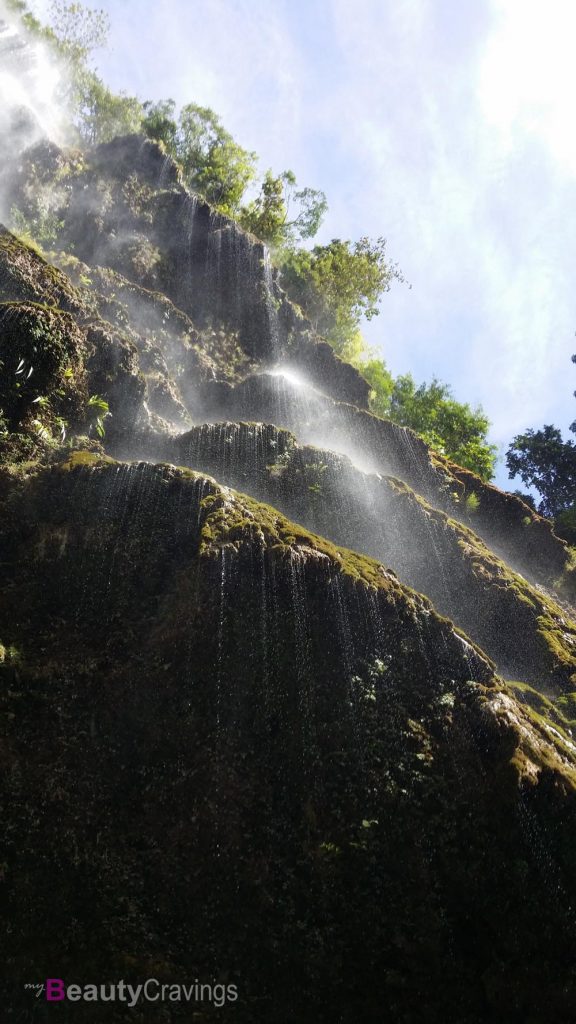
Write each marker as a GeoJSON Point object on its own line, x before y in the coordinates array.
{"type": "Point", "coordinates": [55, 990]}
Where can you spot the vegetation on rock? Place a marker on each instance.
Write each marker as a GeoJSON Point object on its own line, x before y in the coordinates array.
{"type": "Point", "coordinates": [336, 284]}
{"type": "Point", "coordinates": [251, 719]}
{"type": "Point", "coordinates": [543, 460]}
{"type": "Point", "coordinates": [299, 796]}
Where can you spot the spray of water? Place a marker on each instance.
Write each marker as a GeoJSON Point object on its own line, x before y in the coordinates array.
{"type": "Point", "coordinates": [29, 86]}
{"type": "Point", "coordinates": [271, 305]}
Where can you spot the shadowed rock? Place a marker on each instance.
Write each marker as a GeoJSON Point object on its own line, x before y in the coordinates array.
{"type": "Point", "coordinates": [232, 747]}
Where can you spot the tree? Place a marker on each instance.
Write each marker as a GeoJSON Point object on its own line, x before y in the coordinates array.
{"type": "Point", "coordinates": [79, 30]}
{"type": "Point", "coordinates": [74, 32]}
{"type": "Point", "coordinates": [100, 115]}
{"type": "Point", "coordinates": [160, 123]}
{"type": "Point", "coordinates": [452, 428]}
{"type": "Point", "coordinates": [338, 284]}
{"type": "Point", "coordinates": [544, 460]}
{"type": "Point", "coordinates": [213, 163]}
{"type": "Point", "coordinates": [267, 216]}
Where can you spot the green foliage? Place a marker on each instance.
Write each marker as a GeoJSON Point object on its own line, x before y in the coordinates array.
{"type": "Point", "coordinates": [472, 503]}
{"type": "Point", "coordinates": [98, 114]}
{"type": "Point", "coordinates": [267, 216]}
{"type": "Point", "coordinates": [543, 460]}
{"type": "Point", "coordinates": [79, 30]}
{"type": "Point", "coordinates": [452, 428]}
{"type": "Point", "coordinates": [38, 230]}
{"type": "Point", "coordinates": [565, 525]}
{"type": "Point", "coordinates": [159, 123]}
{"type": "Point", "coordinates": [380, 379]}
{"type": "Point", "coordinates": [212, 163]}
{"type": "Point", "coordinates": [338, 284]}
{"type": "Point", "coordinates": [73, 33]}
{"type": "Point", "coordinates": [96, 412]}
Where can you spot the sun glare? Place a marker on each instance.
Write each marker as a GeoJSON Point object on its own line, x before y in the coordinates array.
{"type": "Point", "coordinates": [528, 75]}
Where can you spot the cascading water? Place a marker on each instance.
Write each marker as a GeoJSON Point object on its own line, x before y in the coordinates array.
{"type": "Point", "coordinates": [271, 305]}
{"type": "Point", "coordinates": [366, 512]}
{"type": "Point", "coordinates": [187, 270]}
{"type": "Point", "coordinates": [213, 277]}
{"type": "Point", "coordinates": [29, 91]}
{"type": "Point", "coordinates": [263, 747]}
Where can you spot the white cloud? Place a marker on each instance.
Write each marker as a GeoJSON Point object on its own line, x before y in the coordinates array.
{"type": "Point", "coordinates": [478, 218]}
{"type": "Point", "coordinates": [528, 74]}
{"type": "Point", "coordinates": [236, 56]}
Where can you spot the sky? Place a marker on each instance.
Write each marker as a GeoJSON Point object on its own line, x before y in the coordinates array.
{"type": "Point", "coordinates": [446, 127]}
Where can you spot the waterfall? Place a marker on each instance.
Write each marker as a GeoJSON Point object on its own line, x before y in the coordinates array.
{"type": "Point", "coordinates": [244, 674]}
{"type": "Point", "coordinates": [271, 302]}
{"type": "Point", "coordinates": [29, 91]}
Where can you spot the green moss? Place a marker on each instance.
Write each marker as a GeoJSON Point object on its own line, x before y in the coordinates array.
{"type": "Point", "coordinates": [556, 632]}
{"type": "Point", "coordinates": [528, 695]}
{"type": "Point", "coordinates": [9, 655]}
{"type": "Point", "coordinates": [552, 725]}
{"type": "Point", "coordinates": [42, 386]}
{"type": "Point", "coordinates": [28, 276]}
{"type": "Point", "coordinates": [566, 707]}
{"type": "Point", "coordinates": [84, 458]}
{"type": "Point", "coordinates": [520, 594]}
{"type": "Point", "coordinates": [235, 519]}
{"type": "Point", "coordinates": [557, 642]}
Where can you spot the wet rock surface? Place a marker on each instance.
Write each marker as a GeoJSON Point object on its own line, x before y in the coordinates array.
{"type": "Point", "coordinates": [267, 761]}
{"type": "Point", "coordinates": [254, 725]}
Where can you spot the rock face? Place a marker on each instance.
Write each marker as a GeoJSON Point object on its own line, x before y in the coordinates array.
{"type": "Point", "coordinates": [286, 717]}
{"type": "Point", "coordinates": [264, 757]}
{"type": "Point", "coordinates": [124, 209]}
{"type": "Point", "coordinates": [383, 517]}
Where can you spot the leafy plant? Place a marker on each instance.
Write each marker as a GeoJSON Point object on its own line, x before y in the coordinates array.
{"type": "Point", "coordinates": [450, 427]}
{"type": "Point", "coordinates": [338, 284]}
{"type": "Point", "coordinates": [62, 426]}
{"type": "Point", "coordinates": [212, 163]}
{"type": "Point", "coordinates": [41, 430]}
{"type": "Point", "coordinates": [39, 229]}
{"type": "Point", "coordinates": [544, 460]}
{"type": "Point", "coordinates": [97, 411]}
{"type": "Point", "coordinates": [268, 216]}
{"type": "Point", "coordinates": [472, 503]}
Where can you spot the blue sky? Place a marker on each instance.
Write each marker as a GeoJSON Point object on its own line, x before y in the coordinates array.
{"type": "Point", "coordinates": [446, 127]}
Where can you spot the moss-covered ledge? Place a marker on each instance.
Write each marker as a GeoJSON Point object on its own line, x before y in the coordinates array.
{"type": "Point", "coordinates": [234, 721]}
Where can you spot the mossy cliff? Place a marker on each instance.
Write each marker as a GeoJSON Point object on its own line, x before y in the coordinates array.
{"type": "Point", "coordinates": [123, 207]}
{"type": "Point", "coordinates": [505, 522]}
{"type": "Point", "coordinates": [236, 750]}
{"type": "Point", "coordinates": [526, 633]}
{"type": "Point", "coordinates": [203, 321]}
{"type": "Point", "coordinates": [236, 745]}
